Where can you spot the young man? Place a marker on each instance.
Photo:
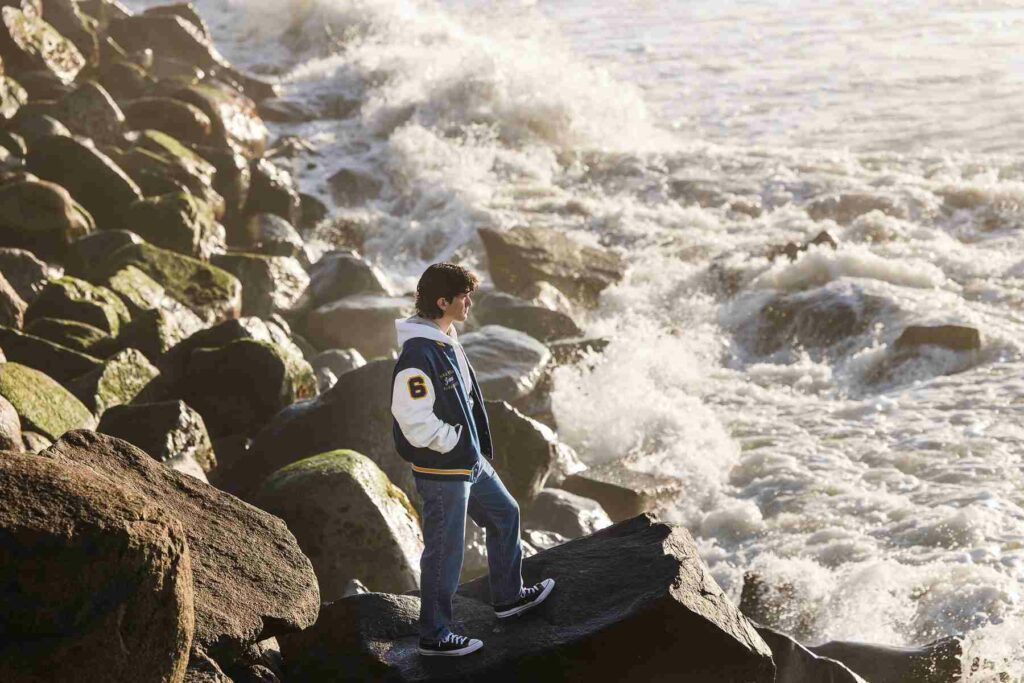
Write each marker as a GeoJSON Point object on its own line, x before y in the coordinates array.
{"type": "Point", "coordinates": [440, 427]}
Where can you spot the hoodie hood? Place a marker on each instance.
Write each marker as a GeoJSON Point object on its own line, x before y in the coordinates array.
{"type": "Point", "coordinates": [410, 328]}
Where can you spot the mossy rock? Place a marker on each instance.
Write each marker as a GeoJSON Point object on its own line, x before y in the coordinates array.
{"type": "Point", "coordinates": [177, 221]}
{"type": "Point", "coordinates": [155, 332]}
{"type": "Point", "coordinates": [70, 333]}
{"type": "Point", "coordinates": [213, 294]}
{"type": "Point", "coordinates": [69, 298]}
{"type": "Point", "coordinates": [60, 362]}
{"type": "Point", "coordinates": [43, 405]}
{"type": "Point", "coordinates": [175, 118]}
{"type": "Point", "coordinates": [117, 382]}
{"type": "Point", "coordinates": [349, 519]}
{"type": "Point", "coordinates": [42, 217]}
{"type": "Point", "coordinates": [28, 43]}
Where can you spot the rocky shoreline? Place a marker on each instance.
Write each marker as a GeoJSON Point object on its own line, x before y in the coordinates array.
{"type": "Point", "coordinates": [198, 477]}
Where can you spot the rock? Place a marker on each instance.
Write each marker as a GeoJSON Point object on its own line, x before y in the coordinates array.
{"type": "Point", "coordinates": [10, 428]}
{"type": "Point", "coordinates": [524, 451]}
{"type": "Point", "coordinates": [313, 211]}
{"type": "Point", "coordinates": [35, 442]}
{"type": "Point", "coordinates": [181, 164]}
{"type": "Point", "coordinates": [96, 582]}
{"type": "Point", "coordinates": [539, 322]}
{"type": "Point", "coordinates": [355, 587]}
{"type": "Point", "coordinates": [33, 126]}
{"type": "Point", "coordinates": [646, 593]}
{"type": "Point", "coordinates": [185, 10]}
{"type": "Point", "coordinates": [28, 42]}
{"type": "Point", "coordinates": [210, 292]}
{"type": "Point", "coordinates": [13, 143]}
{"type": "Point", "coordinates": [274, 236]}
{"type": "Point", "coordinates": [90, 111]}
{"type": "Point", "coordinates": [78, 27]}
{"type": "Point", "coordinates": [159, 320]}
{"type": "Point", "coordinates": [523, 256]}
{"type": "Point", "coordinates": [60, 362]}
{"type": "Point", "coordinates": [508, 363]}
{"type": "Point", "coordinates": [844, 208]}
{"type": "Point", "coordinates": [118, 381]}
{"type": "Point", "coordinates": [88, 174]}
{"type": "Point", "coordinates": [791, 250]}
{"type": "Point", "coordinates": [232, 180]}
{"type": "Point", "coordinates": [12, 306]}
{"type": "Point", "coordinates": [338, 361]}
{"type": "Point", "coordinates": [204, 669]}
{"type": "Point", "coordinates": [273, 191]}
{"type": "Point", "coordinates": [70, 298]}
{"type": "Point", "coordinates": [26, 273]}
{"type": "Point", "coordinates": [125, 81]}
{"type": "Point", "coordinates": [565, 513]}
{"type": "Point", "coordinates": [12, 97]}
{"type": "Point", "coordinates": [237, 388]}
{"type": "Point", "coordinates": [235, 122]}
{"type": "Point", "coordinates": [952, 337]}
{"type": "Point", "coordinates": [794, 663]}
{"type": "Point", "coordinates": [167, 431]}
{"type": "Point", "coordinates": [936, 662]}
{"type": "Point", "coordinates": [43, 405]}
{"type": "Point", "coordinates": [270, 284]}
{"type": "Point", "coordinates": [278, 110]}
{"type": "Point", "coordinates": [365, 322]}
{"type": "Point", "coordinates": [44, 89]}
{"type": "Point", "coordinates": [349, 520]}
{"type": "Point", "coordinates": [42, 217]}
{"type": "Point", "coordinates": [568, 351]}
{"type": "Point", "coordinates": [353, 187]}
{"type": "Point", "coordinates": [622, 492]}
{"type": "Point", "coordinates": [96, 246]}
{"type": "Point", "coordinates": [73, 334]}
{"type": "Point", "coordinates": [180, 120]}
{"type": "Point", "coordinates": [179, 222]}
{"type": "Point", "coordinates": [339, 274]}
{"type": "Point", "coordinates": [251, 580]}
{"type": "Point", "coordinates": [104, 11]}
{"type": "Point", "coordinates": [355, 414]}
{"type": "Point", "coordinates": [542, 539]}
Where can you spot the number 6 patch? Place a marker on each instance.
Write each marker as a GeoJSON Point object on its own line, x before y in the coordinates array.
{"type": "Point", "coordinates": [417, 387]}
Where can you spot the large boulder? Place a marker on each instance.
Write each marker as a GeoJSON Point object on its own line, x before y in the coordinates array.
{"type": "Point", "coordinates": [74, 335]}
{"type": "Point", "coordinates": [524, 451]}
{"type": "Point", "coordinates": [521, 257]}
{"type": "Point", "coordinates": [349, 520]}
{"type": "Point", "coordinates": [142, 294]}
{"type": "Point", "coordinates": [29, 43]}
{"type": "Point", "coordinates": [12, 306]}
{"type": "Point", "coordinates": [90, 111]}
{"type": "Point", "coordinates": [270, 284]}
{"type": "Point", "coordinates": [95, 582]}
{"type": "Point", "coordinates": [70, 298]}
{"type": "Point", "coordinates": [60, 362]}
{"type": "Point", "coordinates": [565, 513]}
{"type": "Point", "coordinates": [162, 158]}
{"type": "Point", "coordinates": [622, 492]}
{"type": "Point", "coordinates": [75, 25]}
{"type": "Point", "coordinates": [26, 273]}
{"type": "Point", "coordinates": [181, 120]}
{"type": "Point", "coordinates": [265, 233]}
{"type": "Point", "coordinates": [339, 274]}
{"type": "Point", "coordinates": [178, 221]}
{"type": "Point", "coordinates": [42, 217]}
{"type": "Point", "coordinates": [91, 177]}
{"type": "Point", "coordinates": [11, 438]}
{"type": "Point", "coordinates": [647, 598]}
{"type": "Point", "coordinates": [251, 580]}
{"type": "Point", "coordinates": [43, 405]}
{"type": "Point", "coordinates": [794, 663]}
{"type": "Point", "coordinates": [168, 431]}
{"type": "Point", "coordinates": [118, 381]}
{"type": "Point", "coordinates": [540, 322]}
{"type": "Point", "coordinates": [365, 322]}
{"type": "Point", "coordinates": [96, 246]}
{"type": "Point", "coordinates": [236, 125]}
{"type": "Point", "coordinates": [508, 363]}
{"type": "Point", "coordinates": [273, 191]}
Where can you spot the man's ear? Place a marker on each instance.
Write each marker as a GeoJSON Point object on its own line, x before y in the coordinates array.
{"type": "Point", "coordinates": [443, 304]}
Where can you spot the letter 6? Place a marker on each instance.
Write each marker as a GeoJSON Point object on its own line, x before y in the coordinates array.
{"type": "Point", "coordinates": [417, 387]}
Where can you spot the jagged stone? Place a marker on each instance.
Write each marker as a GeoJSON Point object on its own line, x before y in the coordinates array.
{"type": "Point", "coordinates": [75, 25]}
{"type": "Point", "coordinates": [43, 405]}
{"type": "Point", "coordinates": [846, 207]}
{"type": "Point", "coordinates": [42, 217]}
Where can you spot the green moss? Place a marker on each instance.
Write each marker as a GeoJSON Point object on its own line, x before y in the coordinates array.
{"type": "Point", "coordinates": [139, 291]}
{"type": "Point", "coordinates": [118, 382]}
{"type": "Point", "coordinates": [43, 405]}
{"type": "Point", "coordinates": [70, 333]}
{"type": "Point", "coordinates": [70, 298]}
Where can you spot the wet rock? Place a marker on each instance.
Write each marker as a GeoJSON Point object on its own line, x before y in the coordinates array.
{"type": "Point", "coordinates": [353, 187]}
{"type": "Point", "coordinates": [339, 274]}
{"type": "Point", "coordinates": [275, 594]}
{"type": "Point", "coordinates": [88, 174]}
{"type": "Point", "coordinates": [540, 322]}
{"type": "Point", "coordinates": [10, 428]}
{"type": "Point", "coordinates": [26, 273]}
{"type": "Point", "coordinates": [70, 298]}
{"type": "Point", "coordinates": [524, 450]}
{"type": "Point", "coordinates": [235, 121]}
{"type": "Point", "coordinates": [622, 492]}
{"type": "Point", "coordinates": [96, 582]}
{"type": "Point", "coordinates": [42, 217]}
{"type": "Point", "coordinates": [523, 256]}
{"type": "Point", "coordinates": [566, 513]}
{"type": "Point", "coordinates": [270, 284]}
{"type": "Point", "coordinates": [952, 337]}
{"type": "Point", "coordinates": [167, 431]}
{"type": "Point", "coordinates": [566, 351]}
{"type": "Point", "coordinates": [212, 294]}
{"type": "Point", "coordinates": [12, 306]}
{"type": "Point", "coordinates": [43, 405]}
{"type": "Point", "coordinates": [273, 191]}
{"type": "Point", "coordinates": [72, 334]}
{"type": "Point", "coordinates": [364, 322]}
{"type": "Point", "coordinates": [118, 381]}
{"type": "Point", "coordinates": [647, 593]}
{"type": "Point", "coordinates": [28, 42]}
{"type": "Point", "coordinates": [844, 208]}
{"type": "Point", "coordinates": [794, 663]}
{"type": "Point", "coordinates": [180, 120]}
{"type": "Point", "coordinates": [273, 236]}
{"type": "Point", "coordinates": [791, 250]}
{"type": "Point", "coordinates": [89, 110]}
{"type": "Point", "coordinates": [349, 520]}
{"type": "Point", "coordinates": [507, 363]}
{"type": "Point", "coordinates": [936, 662]}
{"type": "Point", "coordinates": [60, 362]}
{"type": "Point", "coordinates": [179, 222]}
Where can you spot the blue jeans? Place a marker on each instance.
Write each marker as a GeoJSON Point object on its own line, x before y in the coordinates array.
{"type": "Point", "coordinates": [445, 504]}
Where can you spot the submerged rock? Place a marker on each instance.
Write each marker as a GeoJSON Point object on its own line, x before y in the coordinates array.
{"type": "Point", "coordinates": [349, 520]}
{"type": "Point", "coordinates": [846, 207]}
{"type": "Point", "coordinates": [952, 337]}
{"type": "Point", "coordinates": [647, 598]}
{"type": "Point", "coordinates": [43, 405]}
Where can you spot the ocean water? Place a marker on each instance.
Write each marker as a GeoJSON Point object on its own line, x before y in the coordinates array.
{"type": "Point", "coordinates": [883, 497]}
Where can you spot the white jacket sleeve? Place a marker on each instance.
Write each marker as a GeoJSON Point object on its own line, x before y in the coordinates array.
{"type": "Point", "coordinates": [412, 404]}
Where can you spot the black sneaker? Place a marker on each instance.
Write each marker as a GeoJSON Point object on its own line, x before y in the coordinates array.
{"type": "Point", "coordinates": [529, 598]}
{"type": "Point", "coordinates": [450, 646]}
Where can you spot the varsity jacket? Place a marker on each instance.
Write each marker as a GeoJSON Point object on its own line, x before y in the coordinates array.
{"type": "Point", "coordinates": [440, 425]}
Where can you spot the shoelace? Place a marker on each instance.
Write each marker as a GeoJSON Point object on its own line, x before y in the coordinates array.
{"type": "Point", "coordinates": [460, 641]}
{"type": "Point", "coordinates": [531, 591]}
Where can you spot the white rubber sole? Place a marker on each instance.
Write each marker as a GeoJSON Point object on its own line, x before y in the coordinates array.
{"type": "Point", "coordinates": [549, 585]}
{"type": "Point", "coordinates": [473, 646]}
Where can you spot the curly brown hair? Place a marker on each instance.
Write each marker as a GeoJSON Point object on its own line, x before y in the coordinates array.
{"type": "Point", "coordinates": [445, 280]}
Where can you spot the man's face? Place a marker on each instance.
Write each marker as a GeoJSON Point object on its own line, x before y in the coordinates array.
{"type": "Point", "coordinates": [458, 308]}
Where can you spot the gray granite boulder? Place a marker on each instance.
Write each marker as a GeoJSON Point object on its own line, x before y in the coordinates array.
{"type": "Point", "coordinates": [540, 322]}
{"type": "Point", "coordinates": [270, 284]}
{"type": "Point", "coordinates": [565, 513]}
{"type": "Point", "coordinates": [508, 363]}
{"type": "Point", "coordinates": [622, 492]}
{"type": "Point", "coordinates": [364, 322]}
{"type": "Point", "coordinates": [339, 274]}
{"type": "Point", "coordinates": [90, 111]}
